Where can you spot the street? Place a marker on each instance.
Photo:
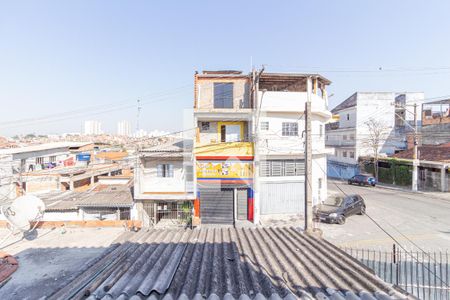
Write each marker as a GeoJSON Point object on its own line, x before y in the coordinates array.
{"type": "Point", "coordinates": [420, 219]}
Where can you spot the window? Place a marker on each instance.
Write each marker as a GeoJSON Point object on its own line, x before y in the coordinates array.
{"type": "Point", "coordinates": [352, 154]}
{"type": "Point", "coordinates": [344, 137]}
{"type": "Point", "coordinates": [348, 117]}
{"type": "Point", "coordinates": [164, 170]}
{"type": "Point", "coordinates": [276, 168]}
{"type": "Point", "coordinates": [205, 126]}
{"type": "Point", "coordinates": [230, 133]}
{"type": "Point", "coordinates": [223, 95]}
{"type": "Point", "coordinates": [344, 154]}
{"type": "Point", "coordinates": [39, 160]}
{"type": "Point", "coordinates": [265, 126]}
{"type": "Point", "coordinates": [352, 137]}
{"type": "Point", "coordinates": [52, 159]}
{"type": "Point", "coordinates": [289, 129]}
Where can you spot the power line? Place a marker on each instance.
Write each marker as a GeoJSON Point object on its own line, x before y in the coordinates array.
{"type": "Point", "coordinates": [390, 236]}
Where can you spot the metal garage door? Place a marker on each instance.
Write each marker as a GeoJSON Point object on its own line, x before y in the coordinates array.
{"type": "Point", "coordinates": [282, 197]}
{"type": "Point", "coordinates": [216, 206]}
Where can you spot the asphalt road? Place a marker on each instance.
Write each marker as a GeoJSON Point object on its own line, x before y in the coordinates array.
{"type": "Point", "coordinates": [412, 219]}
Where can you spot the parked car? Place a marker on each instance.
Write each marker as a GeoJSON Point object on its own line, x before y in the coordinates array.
{"type": "Point", "coordinates": [362, 180]}
{"type": "Point", "coordinates": [336, 209]}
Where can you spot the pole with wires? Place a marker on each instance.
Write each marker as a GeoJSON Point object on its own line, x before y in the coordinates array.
{"type": "Point", "coordinates": [308, 161]}
{"type": "Point", "coordinates": [415, 160]}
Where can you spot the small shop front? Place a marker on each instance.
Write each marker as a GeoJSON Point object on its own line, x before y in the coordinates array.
{"type": "Point", "coordinates": [224, 190]}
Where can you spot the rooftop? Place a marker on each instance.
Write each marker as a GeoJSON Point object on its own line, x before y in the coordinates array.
{"type": "Point", "coordinates": [100, 196]}
{"type": "Point", "coordinates": [439, 153]}
{"type": "Point", "coordinates": [225, 263]}
{"type": "Point", "coordinates": [176, 148]}
{"type": "Point", "coordinates": [42, 147]}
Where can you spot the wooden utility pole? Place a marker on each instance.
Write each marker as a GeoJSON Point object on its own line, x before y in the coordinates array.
{"type": "Point", "coordinates": [415, 160]}
{"type": "Point", "coordinates": [308, 161]}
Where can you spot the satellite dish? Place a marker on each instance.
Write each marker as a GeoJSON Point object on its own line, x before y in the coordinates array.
{"type": "Point", "coordinates": [23, 211]}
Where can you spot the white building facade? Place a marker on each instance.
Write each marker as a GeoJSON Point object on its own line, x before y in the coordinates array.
{"type": "Point", "coordinates": [280, 142]}
{"type": "Point", "coordinates": [351, 136]}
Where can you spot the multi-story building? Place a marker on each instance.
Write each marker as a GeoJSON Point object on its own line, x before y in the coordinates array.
{"type": "Point", "coordinates": [223, 149]}
{"type": "Point", "coordinates": [249, 146]}
{"type": "Point", "coordinates": [280, 159]}
{"type": "Point", "coordinates": [124, 128]}
{"type": "Point", "coordinates": [163, 186]}
{"type": "Point", "coordinates": [352, 136]}
{"type": "Point", "coordinates": [92, 127]}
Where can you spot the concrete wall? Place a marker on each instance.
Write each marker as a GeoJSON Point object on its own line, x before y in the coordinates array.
{"type": "Point", "coordinates": [272, 141]}
{"type": "Point", "coordinates": [35, 184]}
{"type": "Point", "coordinates": [62, 216]}
{"type": "Point", "coordinates": [435, 134]}
{"type": "Point", "coordinates": [149, 182]}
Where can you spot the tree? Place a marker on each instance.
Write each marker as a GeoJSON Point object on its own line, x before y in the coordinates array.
{"type": "Point", "coordinates": [377, 134]}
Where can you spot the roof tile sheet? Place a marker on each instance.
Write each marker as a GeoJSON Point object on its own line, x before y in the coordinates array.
{"type": "Point", "coordinates": [227, 263]}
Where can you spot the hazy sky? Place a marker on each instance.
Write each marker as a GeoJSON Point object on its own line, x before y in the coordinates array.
{"type": "Point", "coordinates": [62, 62]}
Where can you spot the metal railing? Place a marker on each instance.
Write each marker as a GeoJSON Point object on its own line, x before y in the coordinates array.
{"type": "Point", "coordinates": [169, 213]}
{"type": "Point", "coordinates": [422, 274]}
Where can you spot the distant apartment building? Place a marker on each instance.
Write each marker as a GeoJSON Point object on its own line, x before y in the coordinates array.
{"type": "Point", "coordinates": [124, 128]}
{"type": "Point", "coordinates": [351, 136]}
{"type": "Point", "coordinates": [92, 127]}
{"type": "Point", "coordinates": [249, 146]}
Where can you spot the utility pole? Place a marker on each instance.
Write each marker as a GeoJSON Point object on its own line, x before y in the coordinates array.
{"type": "Point", "coordinates": [308, 161]}
{"type": "Point", "coordinates": [415, 160]}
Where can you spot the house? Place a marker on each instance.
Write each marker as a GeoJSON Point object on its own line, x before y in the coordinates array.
{"type": "Point", "coordinates": [433, 168]}
{"type": "Point", "coordinates": [102, 202]}
{"type": "Point", "coordinates": [15, 161]}
{"type": "Point", "coordinates": [280, 150]}
{"type": "Point", "coordinates": [352, 137]}
{"type": "Point", "coordinates": [435, 128]}
{"type": "Point", "coordinates": [163, 188]}
{"type": "Point", "coordinates": [249, 152]}
{"type": "Point", "coordinates": [66, 177]}
{"type": "Point", "coordinates": [223, 147]}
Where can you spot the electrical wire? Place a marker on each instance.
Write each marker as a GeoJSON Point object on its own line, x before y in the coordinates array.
{"type": "Point", "coordinates": [390, 235]}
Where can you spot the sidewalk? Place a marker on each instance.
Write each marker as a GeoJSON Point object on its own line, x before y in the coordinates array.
{"type": "Point", "coordinates": [440, 195]}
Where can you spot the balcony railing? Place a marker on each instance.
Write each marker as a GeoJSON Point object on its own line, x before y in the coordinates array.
{"type": "Point", "coordinates": [340, 143]}
{"type": "Point", "coordinates": [244, 148]}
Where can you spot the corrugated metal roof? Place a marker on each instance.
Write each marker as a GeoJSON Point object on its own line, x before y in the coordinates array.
{"type": "Point", "coordinates": [228, 263]}
{"type": "Point", "coordinates": [111, 196]}
{"type": "Point", "coordinates": [99, 196]}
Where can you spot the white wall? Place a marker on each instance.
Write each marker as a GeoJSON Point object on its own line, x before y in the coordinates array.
{"type": "Point", "coordinates": [380, 107]}
{"type": "Point", "coordinates": [273, 142]}
{"type": "Point", "coordinates": [290, 101]}
{"type": "Point", "coordinates": [149, 182]}
{"type": "Point", "coordinates": [347, 118]}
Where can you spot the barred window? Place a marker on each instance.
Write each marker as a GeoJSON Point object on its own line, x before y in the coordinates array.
{"type": "Point", "coordinates": [276, 168]}
{"type": "Point", "coordinates": [164, 170]}
{"type": "Point", "coordinates": [264, 126]}
{"type": "Point", "coordinates": [289, 129]}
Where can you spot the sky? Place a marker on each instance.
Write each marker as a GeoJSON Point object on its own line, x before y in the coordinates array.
{"type": "Point", "coordinates": [63, 62]}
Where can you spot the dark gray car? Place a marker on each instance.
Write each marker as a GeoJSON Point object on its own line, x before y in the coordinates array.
{"type": "Point", "coordinates": [336, 209]}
